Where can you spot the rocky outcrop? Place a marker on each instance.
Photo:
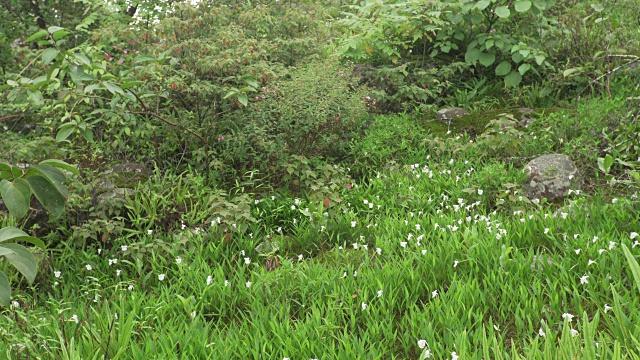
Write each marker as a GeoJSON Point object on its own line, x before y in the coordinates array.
{"type": "Point", "coordinates": [551, 176]}
{"type": "Point", "coordinates": [447, 115]}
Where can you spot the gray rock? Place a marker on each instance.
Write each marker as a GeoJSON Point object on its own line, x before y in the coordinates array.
{"type": "Point", "coordinates": [118, 183]}
{"type": "Point", "coordinates": [447, 115]}
{"type": "Point", "coordinates": [551, 176]}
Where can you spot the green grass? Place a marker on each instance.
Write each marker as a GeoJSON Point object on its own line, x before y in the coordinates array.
{"type": "Point", "coordinates": [478, 262]}
{"type": "Point", "coordinates": [442, 253]}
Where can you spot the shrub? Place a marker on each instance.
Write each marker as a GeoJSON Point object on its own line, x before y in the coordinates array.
{"type": "Point", "coordinates": [315, 112]}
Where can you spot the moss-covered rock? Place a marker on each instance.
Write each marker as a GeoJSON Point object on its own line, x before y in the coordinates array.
{"type": "Point", "coordinates": [475, 124]}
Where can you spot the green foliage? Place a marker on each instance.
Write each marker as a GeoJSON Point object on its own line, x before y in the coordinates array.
{"type": "Point", "coordinates": [386, 31]}
{"type": "Point", "coordinates": [314, 113]}
{"type": "Point", "coordinates": [497, 35]}
{"type": "Point", "coordinates": [388, 139]}
{"type": "Point", "coordinates": [45, 182]}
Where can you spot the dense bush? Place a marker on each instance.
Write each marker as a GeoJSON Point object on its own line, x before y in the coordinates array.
{"type": "Point", "coordinates": [314, 112]}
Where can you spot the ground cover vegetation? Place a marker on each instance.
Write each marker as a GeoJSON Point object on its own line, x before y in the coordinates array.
{"type": "Point", "coordinates": [271, 179]}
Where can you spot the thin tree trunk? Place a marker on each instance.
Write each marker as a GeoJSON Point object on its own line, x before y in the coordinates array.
{"type": "Point", "coordinates": [35, 7]}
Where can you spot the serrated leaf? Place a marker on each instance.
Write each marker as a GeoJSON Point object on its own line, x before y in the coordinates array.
{"type": "Point", "coordinates": [48, 55]}
{"type": "Point", "coordinates": [38, 35]}
{"type": "Point", "coordinates": [503, 68]}
{"type": "Point", "coordinates": [513, 79]}
{"type": "Point", "coordinates": [14, 234]}
{"type": "Point", "coordinates": [503, 12]}
{"type": "Point", "coordinates": [522, 6]}
{"type": "Point", "coordinates": [5, 290]}
{"type": "Point", "coordinates": [16, 196]}
{"type": "Point", "coordinates": [22, 259]}
{"type": "Point", "coordinates": [48, 195]}
{"type": "Point", "coordinates": [487, 59]}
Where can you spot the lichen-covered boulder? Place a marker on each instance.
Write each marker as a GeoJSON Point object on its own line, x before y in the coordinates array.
{"type": "Point", "coordinates": [118, 183]}
{"type": "Point", "coordinates": [447, 115]}
{"type": "Point", "coordinates": [551, 176]}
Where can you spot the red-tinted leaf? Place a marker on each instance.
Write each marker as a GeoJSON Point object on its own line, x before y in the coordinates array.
{"type": "Point", "coordinates": [327, 202]}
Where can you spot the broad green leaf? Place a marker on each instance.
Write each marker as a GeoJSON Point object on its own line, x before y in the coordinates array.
{"type": "Point", "coordinates": [22, 259]}
{"type": "Point", "coordinates": [48, 195]}
{"type": "Point", "coordinates": [517, 57]}
{"type": "Point", "coordinates": [144, 58]}
{"type": "Point", "coordinates": [540, 59]}
{"type": "Point", "coordinates": [5, 290]}
{"type": "Point", "coordinates": [597, 7]}
{"type": "Point", "coordinates": [503, 12]}
{"type": "Point", "coordinates": [487, 59]}
{"type": "Point", "coordinates": [78, 75]}
{"type": "Point", "coordinates": [36, 97]}
{"type": "Point", "coordinates": [59, 35]}
{"type": "Point", "coordinates": [633, 264]}
{"type": "Point", "coordinates": [83, 59]}
{"type": "Point", "coordinates": [38, 35]}
{"type": "Point", "coordinates": [54, 29]}
{"type": "Point", "coordinates": [14, 234]}
{"type": "Point", "coordinates": [87, 134]}
{"type": "Point", "coordinates": [523, 68]}
{"type": "Point", "coordinates": [522, 6]}
{"type": "Point", "coordinates": [113, 88]}
{"type": "Point", "coordinates": [513, 79]}
{"type": "Point", "coordinates": [503, 68]}
{"type": "Point", "coordinates": [250, 80]}
{"type": "Point", "coordinates": [525, 52]}
{"type": "Point", "coordinates": [48, 55]}
{"type": "Point", "coordinates": [51, 174]}
{"type": "Point", "coordinates": [129, 84]}
{"type": "Point", "coordinates": [90, 88]}
{"type": "Point", "coordinates": [608, 161]}
{"type": "Point", "coordinates": [568, 72]}
{"type": "Point", "coordinates": [65, 131]}
{"type": "Point", "coordinates": [540, 4]}
{"type": "Point", "coordinates": [472, 55]}
{"type": "Point", "coordinates": [16, 196]}
{"type": "Point", "coordinates": [483, 4]}
{"type": "Point", "coordinates": [61, 165]}
{"type": "Point", "coordinates": [243, 99]}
